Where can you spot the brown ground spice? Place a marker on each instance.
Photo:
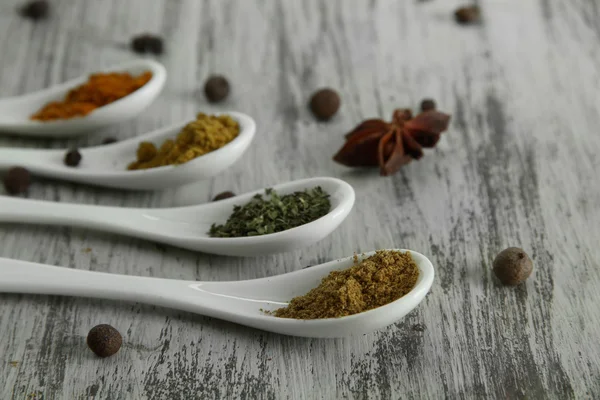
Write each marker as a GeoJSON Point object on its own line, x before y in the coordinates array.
{"type": "Point", "coordinates": [378, 280]}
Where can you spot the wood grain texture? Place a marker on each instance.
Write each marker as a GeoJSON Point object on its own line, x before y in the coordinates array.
{"type": "Point", "coordinates": [519, 166]}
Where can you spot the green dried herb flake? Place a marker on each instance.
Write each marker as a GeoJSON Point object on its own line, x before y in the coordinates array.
{"type": "Point", "coordinates": [261, 216]}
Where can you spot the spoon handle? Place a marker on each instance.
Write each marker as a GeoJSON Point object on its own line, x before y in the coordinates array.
{"type": "Point", "coordinates": [113, 219]}
{"type": "Point", "coordinates": [27, 277]}
{"type": "Point", "coordinates": [29, 158]}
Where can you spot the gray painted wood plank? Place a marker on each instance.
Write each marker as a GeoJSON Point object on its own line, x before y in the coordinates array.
{"type": "Point", "coordinates": [518, 167]}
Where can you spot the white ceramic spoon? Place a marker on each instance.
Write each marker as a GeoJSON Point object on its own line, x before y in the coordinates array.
{"type": "Point", "coordinates": [240, 302]}
{"type": "Point", "coordinates": [15, 112]}
{"type": "Point", "coordinates": [188, 227]}
{"type": "Point", "coordinates": [106, 165]}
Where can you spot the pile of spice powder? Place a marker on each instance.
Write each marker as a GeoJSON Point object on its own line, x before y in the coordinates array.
{"type": "Point", "coordinates": [100, 90]}
{"type": "Point", "coordinates": [207, 133]}
{"type": "Point", "coordinates": [276, 213]}
{"type": "Point", "coordinates": [378, 280]}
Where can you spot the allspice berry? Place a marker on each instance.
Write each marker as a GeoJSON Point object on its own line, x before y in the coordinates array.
{"type": "Point", "coordinates": [104, 340]}
{"type": "Point", "coordinates": [325, 103]}
{"type": "Point", "coordinates": [35, 10]}
{"type": "Point", "coordinates": [467, 15]}
{"type": "Point", "coordinates": [216, 88]}
{"type": "Point", "coordinates": [17, 180]}
{"type": "Point", "coordinates": [512, 266]}
{"type": "Point", "coordinates": [223, 196]}
{"type": "Point", "coordinates": [147, 43]}
{"type": "Point", "coordinates": [427, 104]}
{"type": "Point", "coordinates": [72, 158]}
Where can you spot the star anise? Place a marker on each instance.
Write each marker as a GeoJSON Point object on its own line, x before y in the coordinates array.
{"type": "Point", "coordinates": [390, 145]}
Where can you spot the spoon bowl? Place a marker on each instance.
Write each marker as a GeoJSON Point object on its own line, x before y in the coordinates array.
{"type": "Point", "coordinates": [188, 227]}
{"type": "Point", "coordinates": [242, 302]}
{"type": "Point", "coordinates": [106, 165]}
{"type": "Point", "coordinates": [15, 112]}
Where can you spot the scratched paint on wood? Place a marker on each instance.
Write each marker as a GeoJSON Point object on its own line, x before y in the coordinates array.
{"type": "Point", "coordinates": [517, 167]}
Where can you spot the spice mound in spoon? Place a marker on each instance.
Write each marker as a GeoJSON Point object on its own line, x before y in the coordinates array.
{"type": "Point", "coordinates": [207, 133]}
{"type": "Point", "coordinates": [378, 280]}
{"type": "Point", "coordinates": [100, 89]}
{"type": "Point", "coordinates": [261, 216]}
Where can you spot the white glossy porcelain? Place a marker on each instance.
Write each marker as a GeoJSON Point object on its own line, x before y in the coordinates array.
{"type": "Point", "coordinates": [240, 302]}
{"type": "Point", "coordinates": [188, 227]}
{"type": "Point", "coordinates": [106, 165]}
{"type": "Point", "coordinates": [15, 112]}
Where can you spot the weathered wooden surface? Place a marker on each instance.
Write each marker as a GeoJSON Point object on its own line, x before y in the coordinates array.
{"type": "Point", "coordinates": [519, 166]}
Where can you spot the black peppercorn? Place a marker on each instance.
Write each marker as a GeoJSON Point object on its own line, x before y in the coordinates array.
{"type": "Point", "coordinates": [35, 10]}
{"type": "Point", "coordinates": [325, 103]}
{"type": "Point", "coordinates": [104, 340]}
{"type": "Point", "coordinates": [223, 196]}
{"type": "Point", "coordinates": [72, 158]}
{"type": "Point", "coordinates": [512, 266]}
{"type": "Point", "coordinates": [467, 15]}
{"type": "Point", "coordinates": [427, 104]}
{"type": "Point", "coordinates": [17, 180]}
{"type": "Point", "coordinates": [216, 88]}
{"type": "Point", "coordinates": [109, 140]}
{"type": "Point", "coordinates": [147, 43]}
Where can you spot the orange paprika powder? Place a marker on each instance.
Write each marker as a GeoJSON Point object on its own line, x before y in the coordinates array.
{"type": "Point", "coordinates": [100, 90]}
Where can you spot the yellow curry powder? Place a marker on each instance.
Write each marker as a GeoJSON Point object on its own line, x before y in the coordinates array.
{"type": "Point", "coordinates": [378, 280]}
{"type": "Point", "coordinates": [100, 89]}
{"type": "Point", "coordinates": [207, 133]}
